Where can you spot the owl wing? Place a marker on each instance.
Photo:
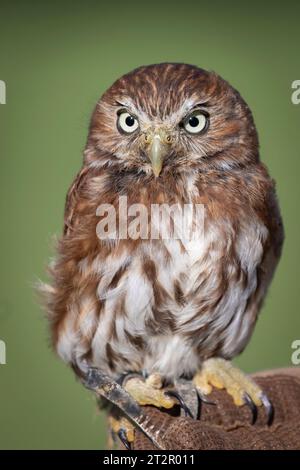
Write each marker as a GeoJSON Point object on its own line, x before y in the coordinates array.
{"type": "Point", "coordinates": [273, 248]}
{"type": "Point", "coordinates": [275, 224]}
{"type": "Point", "coordinates": [271, 218]}
{"type": "Point", "coordinates": [72, 199]}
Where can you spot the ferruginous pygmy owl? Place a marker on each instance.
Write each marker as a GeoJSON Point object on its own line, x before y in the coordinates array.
{"type": "Point", "coordinates": [164, 308]}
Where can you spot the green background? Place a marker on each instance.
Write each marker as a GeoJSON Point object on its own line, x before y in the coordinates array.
{"type": "Point", "coordinates": [56, 60]}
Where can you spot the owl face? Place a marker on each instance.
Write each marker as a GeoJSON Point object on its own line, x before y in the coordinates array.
{"type": "Point", "coordinates": [172, 118]}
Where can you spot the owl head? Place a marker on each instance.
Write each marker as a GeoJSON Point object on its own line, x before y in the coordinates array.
{"type": "Point", "coordinates": [173, 118]}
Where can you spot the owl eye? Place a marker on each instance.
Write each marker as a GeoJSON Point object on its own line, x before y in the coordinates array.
{"type": "Point", "coordinates": [127, 123]}
{"type": "Point", "coordinates": [196, 122]}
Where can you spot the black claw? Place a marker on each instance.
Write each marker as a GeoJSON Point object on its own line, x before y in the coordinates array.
{"type": "Point", "coordinates": [204, 399]}
{"type": "Point", "coordinates": [173, 393]}
{"type": "Point", "coordinates": [199, 397]}
{"type": "Point", "coordinates": [123, 438]}
{"type": "Point", "coordinates": [269, 408]}
{"type": "Point", "coordinates": [122, 379]}
{"type": "Point", "coordinates": [249, 402]}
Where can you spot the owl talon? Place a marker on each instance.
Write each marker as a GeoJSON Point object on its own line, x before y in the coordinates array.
{"type": "Point", "coordinates": [123, 428]}
{"type": "Point", "coordinates": [269, 408]}
{"type": "Point", "coordinates": [219, 373]}
{"type": "Point", "coordinates": [173, 393]}
{"type": "Point", "coordinates": [148, 392]}
{"type": "Point", "coordinates": [249, 402]}
{"type": "Point", "coordinates": [123, 438]}
{"type": "Point", "coordinates": [204, 399]}
{"type": "Point", "coordinates": [123, 379]}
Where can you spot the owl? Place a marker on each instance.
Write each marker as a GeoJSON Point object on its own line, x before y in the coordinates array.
{"type": "Point", "coordinates": [148, 310]}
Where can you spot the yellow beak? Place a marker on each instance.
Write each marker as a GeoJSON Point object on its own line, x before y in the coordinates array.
{"type": "Point", "coordinates": [157, 150]}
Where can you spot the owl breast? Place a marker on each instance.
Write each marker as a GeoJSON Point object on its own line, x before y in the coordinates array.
{"type": "Point", "coordinates": [166, 305]}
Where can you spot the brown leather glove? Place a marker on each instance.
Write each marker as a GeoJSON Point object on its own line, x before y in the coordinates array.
{"type": "Point", "coordinates": [225, 426]}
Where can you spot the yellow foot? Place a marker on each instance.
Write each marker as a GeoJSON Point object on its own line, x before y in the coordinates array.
{"type": "Point", "coordinates": [122, 428]}
{"type": "Point", "coordinates": [149, 392]}
{"type": "Point", "coordinates": [219, 373]}
{"type": "Point", "coordinates": [144, 392]}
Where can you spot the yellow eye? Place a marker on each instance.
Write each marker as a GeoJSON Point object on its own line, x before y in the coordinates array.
{"type": "Point", "coordinates": [196, 123]}
{"type": "Point", "coordinates": [127, 123]}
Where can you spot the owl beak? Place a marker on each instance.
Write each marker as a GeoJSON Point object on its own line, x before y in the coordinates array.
{"type": "Point", "coordinates": [158, 148]}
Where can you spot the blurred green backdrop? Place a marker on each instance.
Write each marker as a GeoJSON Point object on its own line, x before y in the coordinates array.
{"type": "Point", "coordinates": [56, 59]}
